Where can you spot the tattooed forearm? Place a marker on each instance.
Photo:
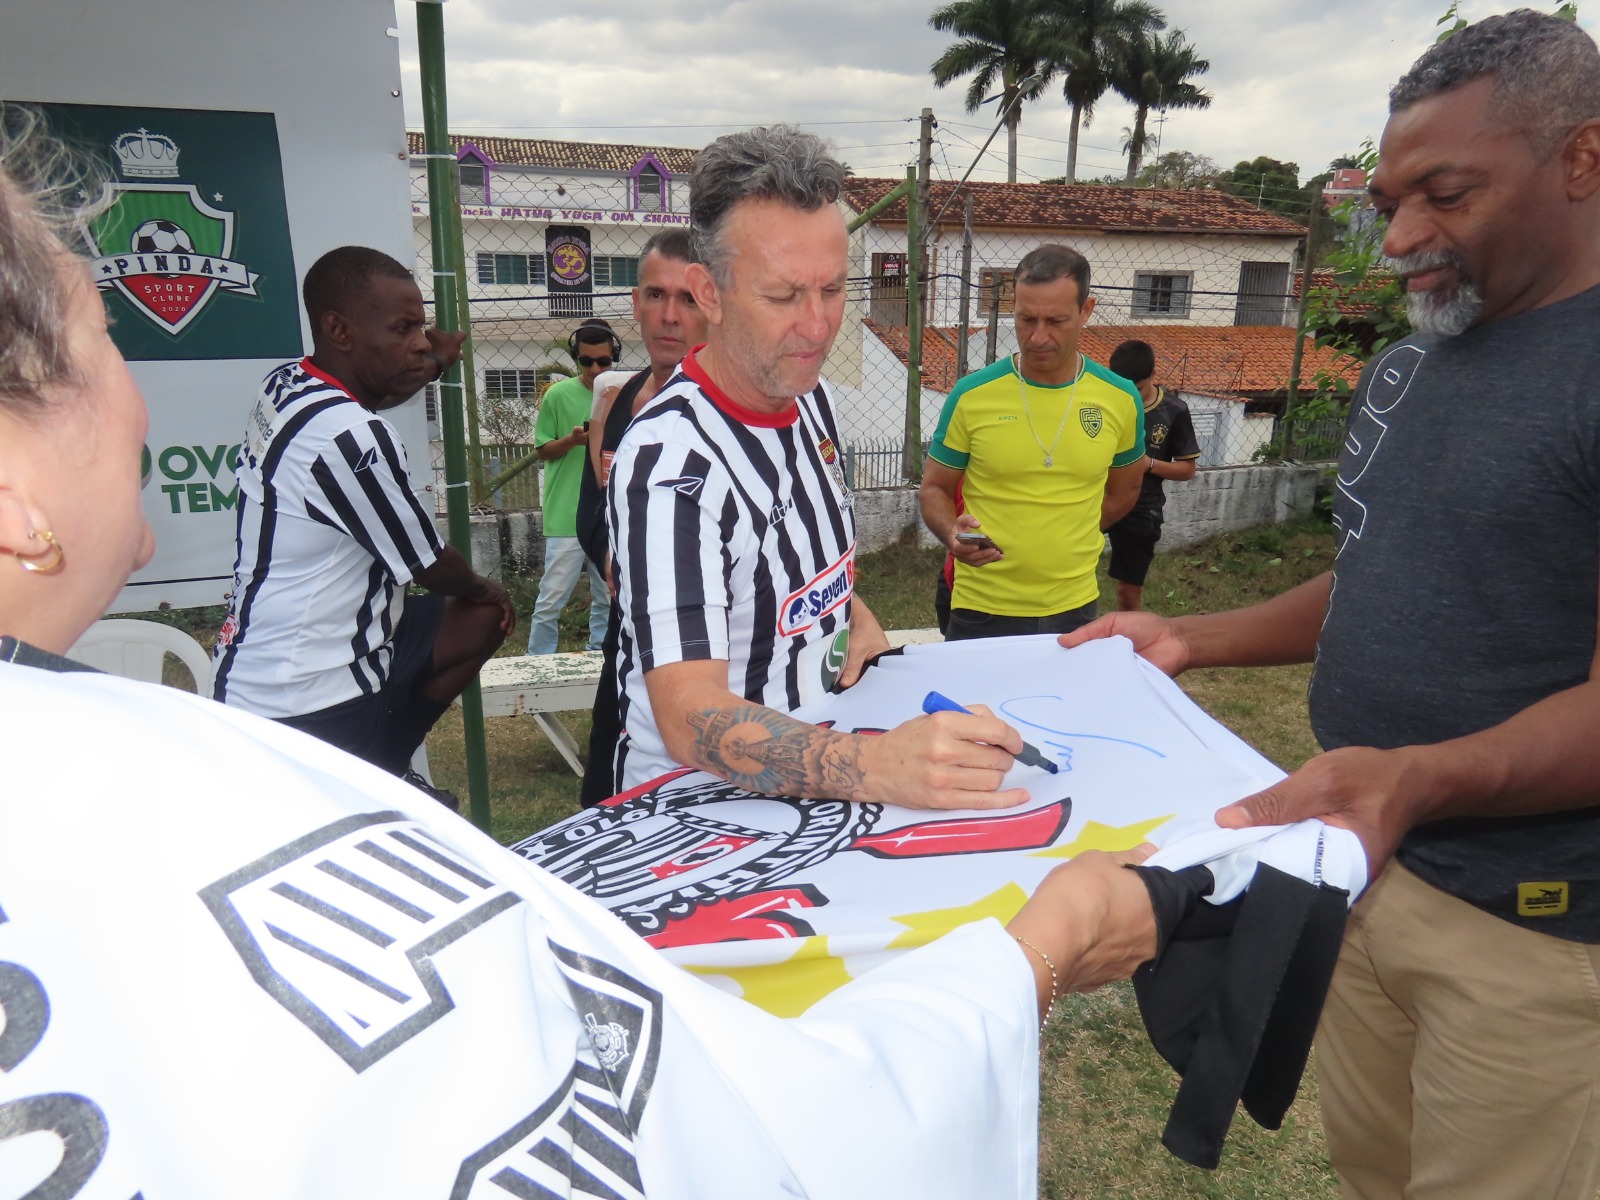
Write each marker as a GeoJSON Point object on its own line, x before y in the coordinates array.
{"type": "Point", "coordinates": [764, 751]}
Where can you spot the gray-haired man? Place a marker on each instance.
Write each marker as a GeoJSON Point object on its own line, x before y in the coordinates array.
{"type": "Point", "coordinates": [1457, 689]}
{"type": "Point", "coordinates": [732, 530]}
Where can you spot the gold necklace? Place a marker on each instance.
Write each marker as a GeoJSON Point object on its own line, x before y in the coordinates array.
{"type": "Point", "coordinates": [1022, 387]}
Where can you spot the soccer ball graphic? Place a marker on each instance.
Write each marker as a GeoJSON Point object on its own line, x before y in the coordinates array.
{"type": "Point", "coordinates": [161, 237]}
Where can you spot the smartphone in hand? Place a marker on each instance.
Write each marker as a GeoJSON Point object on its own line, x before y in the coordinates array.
{"type": "Point", "coordinates": [974, 538]}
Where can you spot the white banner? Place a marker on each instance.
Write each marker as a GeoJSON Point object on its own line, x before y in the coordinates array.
{"type": "Point", "coordinates": [783, 900]}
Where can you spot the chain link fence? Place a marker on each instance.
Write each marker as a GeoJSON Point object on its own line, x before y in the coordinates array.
{"type": "Point", "coordinates": [1219, 310]}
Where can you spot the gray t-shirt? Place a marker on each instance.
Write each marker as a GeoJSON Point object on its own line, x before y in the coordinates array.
{"type": "Point", "coordinates": [1468, 521]}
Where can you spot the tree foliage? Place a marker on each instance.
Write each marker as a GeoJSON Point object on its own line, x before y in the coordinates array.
{"type": "Point", "coordinates": [1272, 184]}
{"type": "Point", "coordinates": [1177, 169]}
{"type": "Point", "coordinates": [999, 44]}
{"type": "Point", "coordinates": [1083, 41]}
{"type": "Point", "coordinates": [1355, 309]}
{"type": "Point", "coordinates": [1154, 71]}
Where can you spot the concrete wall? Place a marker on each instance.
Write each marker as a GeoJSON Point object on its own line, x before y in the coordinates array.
{"type": "Point", "coordinates": [1228, 498]}
{"type": "Point", "coordinates": [1214, 501]}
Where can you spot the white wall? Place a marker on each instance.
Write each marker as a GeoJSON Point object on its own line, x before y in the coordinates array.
{"type": "Point", "coordinates": [1114, 258]}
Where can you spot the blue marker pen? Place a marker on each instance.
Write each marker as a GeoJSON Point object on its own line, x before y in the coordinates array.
{"type": "Point", "coordinates": [935, 702]}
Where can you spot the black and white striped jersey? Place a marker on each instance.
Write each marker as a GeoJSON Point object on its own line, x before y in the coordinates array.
{"type": "Point", "coordinates": [733, 536]}
{"type": "Point", "coordinates": [329, 534]}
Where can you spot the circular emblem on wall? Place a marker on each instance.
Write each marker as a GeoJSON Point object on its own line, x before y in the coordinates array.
{"type": "Point", "coordinates": [569, 260]}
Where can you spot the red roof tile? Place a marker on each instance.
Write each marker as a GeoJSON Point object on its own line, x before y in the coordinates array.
{"type": "Point", "coordinates": [1351, 303]}
{"type": "Point", "coordinates": [571, 156]}
{"type": "Point", "coordinates": [1220, 360]}
{"type": "Point", "coordinates": [1083, 206]}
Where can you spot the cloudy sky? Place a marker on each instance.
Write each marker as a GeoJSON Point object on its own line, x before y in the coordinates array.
{"type": "Point", "coordinates": [1299, 80]}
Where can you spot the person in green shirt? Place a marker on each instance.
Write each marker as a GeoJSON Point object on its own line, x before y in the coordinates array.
{"type": "Point", "coordinates": [561, 439]}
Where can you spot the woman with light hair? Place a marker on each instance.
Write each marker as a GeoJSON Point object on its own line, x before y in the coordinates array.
{"type": "Point", "coordinates": [235, 961]}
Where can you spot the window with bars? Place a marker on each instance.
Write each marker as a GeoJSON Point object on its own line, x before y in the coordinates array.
{"type": "Point", "coordinates": [615, 271]}
{"type": "Point", "coordinates": [521, 269]}
{"type": "Point", "coordinates": [1161, 295]}
{"type": "Point", "coordinates": [521, 383]}
{"type": "Point", "coordinates": [996, 283]}
{"type": "Point", "coordinates": [474, 180]}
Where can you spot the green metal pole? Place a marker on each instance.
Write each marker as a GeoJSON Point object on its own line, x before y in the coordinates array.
{"type": "Point", "coordinates": [469, 375]}
{"type": "Point", "coordinates": [442, 197]}
{"type": "Point", "coordinates": [911, 456]}
{"type": "Point", "coordinates": [895, 193]}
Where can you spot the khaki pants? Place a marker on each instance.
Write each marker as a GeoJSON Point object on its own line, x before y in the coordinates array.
{"type": "Point", "coordinates": [1459, 1055]}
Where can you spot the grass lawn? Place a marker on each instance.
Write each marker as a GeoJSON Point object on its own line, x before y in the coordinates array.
{"type": "Point", "coordinates": [1104, 1091]}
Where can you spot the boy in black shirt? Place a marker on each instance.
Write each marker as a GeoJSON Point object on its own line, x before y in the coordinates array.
{"type": "Point", "coordinates": [1171, 450]}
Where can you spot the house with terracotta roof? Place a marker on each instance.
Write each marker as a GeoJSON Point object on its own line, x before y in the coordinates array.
{"type": "Point", "coordinates": [552, 232]}
{"type": "Point", "coordinates": [1205, 277]}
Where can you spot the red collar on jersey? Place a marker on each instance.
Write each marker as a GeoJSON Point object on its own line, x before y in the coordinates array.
{"type": "Point", "coordinates": [745, 416]}
{"type": "Point", "coordinates": [310, 368]}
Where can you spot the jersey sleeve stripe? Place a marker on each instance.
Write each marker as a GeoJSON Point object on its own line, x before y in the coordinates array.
{"type": "Point", "coordinates": [394, 454]}
{"type": "Point", "coordinates": [634, 534]}
{"type": "Point", "coordinates": [264, 535]}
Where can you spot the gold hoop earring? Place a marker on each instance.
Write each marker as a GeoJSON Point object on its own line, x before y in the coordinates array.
{"type": "Point", "coordinates": [44, 563]}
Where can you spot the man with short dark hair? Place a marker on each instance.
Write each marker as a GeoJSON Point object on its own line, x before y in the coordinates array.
{"type": "Point", "coordinates": [734, 532]}
{"type": "Point", "coordinates": [1170, 451]}
{"type": "Point", "coordinates": [320, 634]}
{"type": "Point", "coordinates": [1457, 687]}
{"type": "Point", "coordinates": [1033, 457]}
{"type": "Point", "coordinates": [561, 437]}
{"type": "Point", "coordinates": [670, 325]}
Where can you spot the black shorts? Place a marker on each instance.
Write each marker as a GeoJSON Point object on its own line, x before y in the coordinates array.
{"type": "Point", "coordinates": [361, 726]}
{"type": "Point", "coordinates": [1133, 545]}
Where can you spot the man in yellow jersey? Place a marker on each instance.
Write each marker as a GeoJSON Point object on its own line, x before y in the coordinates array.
{"type": "Point", "coordinates": [1046, 450]}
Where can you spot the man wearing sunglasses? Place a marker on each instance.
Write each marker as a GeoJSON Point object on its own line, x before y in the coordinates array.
{"type": "Point", "coordinates": [561, 440]}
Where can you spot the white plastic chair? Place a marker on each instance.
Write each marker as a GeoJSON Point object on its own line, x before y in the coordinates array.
{"type": "Point", "coordinates": [138, 650]}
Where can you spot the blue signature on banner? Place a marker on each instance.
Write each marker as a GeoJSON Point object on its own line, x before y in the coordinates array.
{"type": "Point", "coordinates": [1064, 748]}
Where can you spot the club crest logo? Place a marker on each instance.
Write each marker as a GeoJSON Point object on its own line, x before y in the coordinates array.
{"type": "Point", "coordinates": [1092, 420]}
{"type": "Point", "coordinates": [158, 242]}
{"type": "Point", "coordinates": [1157, 435]}
{"type": "Point", "coordinates": [826, 448]}
{"type": "Point", "coordinates": [698, 861]}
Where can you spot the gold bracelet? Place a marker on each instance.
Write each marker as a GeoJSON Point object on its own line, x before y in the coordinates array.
{"type": "Point", "coordinates": [1055, 977]}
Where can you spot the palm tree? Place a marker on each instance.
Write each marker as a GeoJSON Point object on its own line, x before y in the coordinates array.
{"type": "Point", "coordinates": [998, 44]}
{"type": "Point", "coordinates": [1154, 72]}
{"type": "Point", "coordinates": [1084, 40]}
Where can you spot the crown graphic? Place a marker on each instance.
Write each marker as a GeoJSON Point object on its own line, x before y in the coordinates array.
{"type": "Point", "coordinates": [146, 155]}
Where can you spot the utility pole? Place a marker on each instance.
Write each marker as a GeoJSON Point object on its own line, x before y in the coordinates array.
{"type": "Point", "coordinates": [966, 291]}
{"type": "Point", "coordinates": [1293, 397]}
{"type": "Point", "coordinates": [916, 274]}
{"type": "Point", "coordinates": [930, 236]}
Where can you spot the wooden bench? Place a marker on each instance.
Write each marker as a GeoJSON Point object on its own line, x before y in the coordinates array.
{"type": "Point", "coordinates": [541, 685]}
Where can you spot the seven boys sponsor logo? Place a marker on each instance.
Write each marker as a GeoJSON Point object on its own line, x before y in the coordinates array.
{"type": "Point", "coordinates": [818, 596]}
{"type": "Point", "coordinates": [826, 448]}
{"type": "Point", "coordinates": [342, 925]}
{"type": "Point", "coordinates": [1092, 419]}
{"type": "Point", "coordinates": [158, 242]}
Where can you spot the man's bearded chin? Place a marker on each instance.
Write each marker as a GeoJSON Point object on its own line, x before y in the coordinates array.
{"type": "Point", "coordinates": [1447, 313]}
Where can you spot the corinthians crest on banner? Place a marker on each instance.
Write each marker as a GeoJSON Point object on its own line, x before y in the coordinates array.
{"type": "Point", "coordinates": [158, 242]}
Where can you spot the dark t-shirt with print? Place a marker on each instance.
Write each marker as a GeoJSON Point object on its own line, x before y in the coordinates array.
{"type": "Point", "coordinates": [1168, 437]}
{"type": "Point", "coordinates": [1468, 525]}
